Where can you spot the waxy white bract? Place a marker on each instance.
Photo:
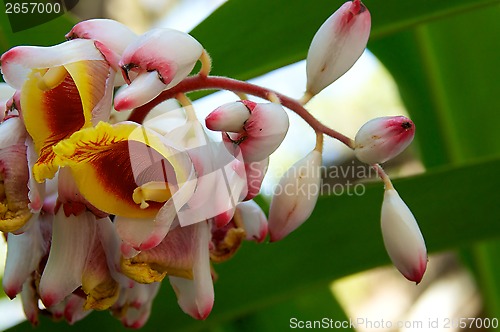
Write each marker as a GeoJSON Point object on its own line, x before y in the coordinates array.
{"type": "Point", "coordinates": [260, 134]}
{"type": "Point", "coordinates": [295, 196]}
{"type": "Point", "coordinates": [229, 117]}
{"type": "Point", "coordinates": [337, 45]}
{"type": "Point", "coordinates": [111, 37]}
{"type": "Point", "coordinates": [382, 139]}
{"type": "Point", "coordinates": [156, 61]}
{"type": "Point", "coordinates": [402, 237]}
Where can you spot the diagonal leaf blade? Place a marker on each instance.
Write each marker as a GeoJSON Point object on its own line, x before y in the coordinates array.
{"type": "Point", "coordinates": [258, 36]}
{"type": "Point", "coordinates": [339, 239]}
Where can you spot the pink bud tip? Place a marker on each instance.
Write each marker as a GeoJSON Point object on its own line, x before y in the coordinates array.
{"type": "Point", "coordinates": [229, 117]}
{"type": "Point", "coordinates": [382, 139]}
{"type": "Point", "coordinates": [49, 299]}
{"type": "Point", "coordinates": [337, 45]}
{"type": "Point", "coordinates": [402, 237]}
{"type": "Point", "coordinates": [261, 133]}
{"type": "Point", "coordinates": [171, 53]}
{"type": "Point", "coordinates": [12, 291]}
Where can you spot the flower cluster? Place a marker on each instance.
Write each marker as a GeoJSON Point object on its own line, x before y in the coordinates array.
{"type": "Point", "coordinates": [98, 212]}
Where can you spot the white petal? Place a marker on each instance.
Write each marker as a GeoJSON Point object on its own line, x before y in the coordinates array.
{"type": "Point", "coordinates": [221, 184]}
{"type": "Point", "coordinates": [71, 240]}
{"type": "Point", "coordinates": [295, 196]}
{"type": "Point", "coordinates": [144, 88]}
{"type": "Point", "coordinates": [37, 190]}
{"type": "Point", "coordinates": [23, 256]}
{"type": "Point", "coordinates": [18, 62]}
{"type": "Point", "coordinates": [189, 135]}
{"type": "Point", "coordinates": [135, 304]}
{"type": "Point", "coordinates": [169, 119]}
{"type": "Point", "coordinates": [6, 92]}
{"type": "Point", "coordinates": [111, 244]}
{"type": "Point", "coordinates": [254, 220]}
{"type": "Point", "coordinates": [196, 297]}
{"type": "Point", "coordinates": [255, 172]}
{"type": "Point", "coordinates": [29, 298]}
{"type": "Point", "coordinates": [263, 133]}
{"type": "Point", "coordinates": [73, 309]}
{"type": "Point", "coordinates": [113, 34]}
{"type": "Point", "coordinates": [171, 53]}
{"type": "Point", "coordinates": [12, 131]}
{"type": "Point", "coordinates": [141, 234]}
{"type": "Point", "coordinates": [228, 117]}
{"type": "Point", "coordinates": [402, 237]}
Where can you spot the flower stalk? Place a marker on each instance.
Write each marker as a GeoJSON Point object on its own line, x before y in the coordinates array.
{"type": "Point", "coordinates": [200, 83]}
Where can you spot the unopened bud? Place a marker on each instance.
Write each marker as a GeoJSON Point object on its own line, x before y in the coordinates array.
{"type": "Point", "coordinates": [295, 196]}
{"type": "Point", "coordinates": [337, 45]}
{"type": "Point", "coordinates": [402, 237]}
{"type": "Point", "coordinates": [262, 133]}
{"type": "Point", "coordinates": [254, 221]}
{"type": "Point", "coordinates": [164, 55]}
{"type": "Point", "coordinates": [229, 117]}
{"type": "Point", "coordinates": [382, 139]}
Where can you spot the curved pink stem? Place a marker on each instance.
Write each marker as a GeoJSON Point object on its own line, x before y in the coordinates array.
{"type": "Point", "coordinates": [196, 83]}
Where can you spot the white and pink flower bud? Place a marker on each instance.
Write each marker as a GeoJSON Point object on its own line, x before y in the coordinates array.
{"type": "Point", "coordinates": [133, 307]}
{"type": "Point", "coordinates": [156, 61]}
{"type": "Point", "coordinates": [382, 139]}
{"type": "Point", "coordinates": [260, 135]}
{"type": "Point", "coordinates": [295, 196]}
{"type": "Point", "coordinates": [26, 250]}
{"type": "Point", "coordinates": [254, 221]}
{"type": "Point", "coordinates": [402, 237]}
{"type": "Point", "coordinates": [230, 117]}
{"type": "Point", "coordinates": [29, 299]}
{"type": "Point", "coordinates": [111, 37]}
{"type": "Point", "coordinates": [337, 45]}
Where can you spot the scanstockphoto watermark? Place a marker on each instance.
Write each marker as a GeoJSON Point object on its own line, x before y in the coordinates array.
{"type": "Point", "coordinates": [337, 180]}
{"type": "Point", "coordinates": [429, 323]}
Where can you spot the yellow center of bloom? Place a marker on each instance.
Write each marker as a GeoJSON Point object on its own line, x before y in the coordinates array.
{"type": "Point", "coordinates": [59, 101]}
{"type": "Point", "coordinates": [52, 78]}
{"type": "Point", "coordinates": [152, 191]}
{"type": "Point", "coordinates": [123, 169]}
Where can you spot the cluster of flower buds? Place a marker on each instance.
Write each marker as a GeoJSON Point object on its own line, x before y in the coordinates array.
{"type": "Point", "coordinates": [97, 212]}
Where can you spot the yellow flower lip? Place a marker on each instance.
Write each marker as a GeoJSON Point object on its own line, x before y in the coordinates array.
{"type": "Point", "coordinates": [123, 169]}
{"type": "Point", "coordinates": [57, 102]}
{"type": "Point", "coordinates": [152, 191]}
{"type": "Point", "coordinates": [52, 78]}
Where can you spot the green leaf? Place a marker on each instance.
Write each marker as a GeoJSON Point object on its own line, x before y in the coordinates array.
{"type": "Point", "coordinates": [46, 34]}
{"type": "Point", "coordinates": [250, 38]}
{"type": "Point", "coordinates": [342, 237]}
{"type": "Point", "coordinates": [317, 306]}
{"type": "Point", "coordinates": [448, 78]}
{"type": "Point", "coordinates": [446, 75]}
